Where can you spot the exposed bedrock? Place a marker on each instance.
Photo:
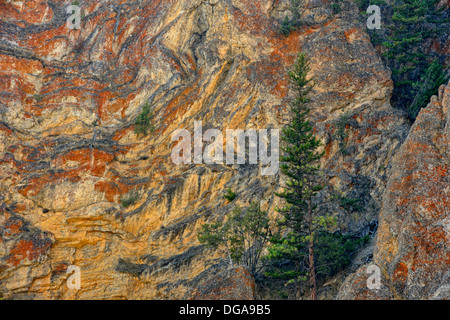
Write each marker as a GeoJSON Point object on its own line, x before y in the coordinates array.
{"type": "Point", "coordinates": [69, 153]}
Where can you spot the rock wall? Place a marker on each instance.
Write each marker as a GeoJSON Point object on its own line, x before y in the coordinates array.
{"type": "Point", "coordinates": [412, 247]}
{"type": "Point", "coordinates": [232, 284]}
{"type": "Point", "coordinates": [68, 151]}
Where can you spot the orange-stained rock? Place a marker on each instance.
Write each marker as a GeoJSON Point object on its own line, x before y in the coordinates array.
{"type": "Point", "coordinates": [412, 247]}
{"type": "Point", "coordinates": [68, 151]}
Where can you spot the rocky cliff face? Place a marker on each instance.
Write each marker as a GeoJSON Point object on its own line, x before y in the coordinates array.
{"type": "Point", "coordinates": [412, 248]}
{"type": "Point", "coordinates": [231, 284]}
{"type": "Point", "coordinates": [68, 152]}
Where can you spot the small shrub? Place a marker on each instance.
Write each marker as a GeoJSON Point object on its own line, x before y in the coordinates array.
{"type": "Point", "coordinates": [143, 122]}
{"type": "Point", "coordinates": [287, 26]}
{"type": "Point", "coordinates": [284, 295]}
{"type": "Point", "coordinates": [38, 97]}
{"type": "Point", "coordinates": [341, 134]}
{"type": "Point", "coordinates": [243, 235]}
{"type": "Point", "coordinates": [336, 7]}
{"type": "Point", "coordinates": [129, 199]}
{"type": "Point", "coordinates": [230, 195]}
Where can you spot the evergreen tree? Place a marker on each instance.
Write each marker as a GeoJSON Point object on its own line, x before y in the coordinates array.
{"type": "Point", "coordinates": [427, 87]}
{"type": "Point", "coordinates": [409, 30]}
{"type": "Point", "coordinates": [335, 251]}
{"type": "Point", "coordinates": [301, 220]}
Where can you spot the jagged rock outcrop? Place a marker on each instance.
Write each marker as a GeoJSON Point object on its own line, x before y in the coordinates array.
{"type": "Point", "coordinates": [68, 151]}
{"type": "Point", "coordinates": [412, 248]}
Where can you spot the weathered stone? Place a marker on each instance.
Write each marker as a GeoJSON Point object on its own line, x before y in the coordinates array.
{"type": "Point", "coordinates": [232, 284]}
{"type": "Point", "coordinates": [412, 247]}
{"type": "Point", "coordinates": [68, 152]}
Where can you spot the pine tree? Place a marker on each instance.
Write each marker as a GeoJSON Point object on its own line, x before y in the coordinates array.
{"type": "Point", "coordinates": [427, 87]}
{"type": "Point", "coordinates": [406, 56]}
{"type": "Point", "coordinates": [301, 220]}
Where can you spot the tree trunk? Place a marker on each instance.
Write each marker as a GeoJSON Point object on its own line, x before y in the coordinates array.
{"type": "Point", "coordinates": [228, 251]}
{"type": "Point", "coordinates": [297, 283]}
{"type": "Point", "coordinates": [229, 256]}
{"type": "Point", "coordinates": [312, 269]}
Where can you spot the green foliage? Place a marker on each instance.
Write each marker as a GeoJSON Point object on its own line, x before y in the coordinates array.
{"type": "Point", "coordinates": [300, 158]}
{"type": "Point", "coordinates": [364, 4]}
{"type": "Point", "coordinates": [129, 199]}
{"type": "Point", "coordinates": [213, 235]}
{"type": "Point", "coordinates": [341, 133]}
{"type": "Point", "coordinates": [143, 123]}
{"type": "Point", "coordinates": [413, 23]}
{"type": "Point", "coordinates": [287, 26]}
{"type": "Point", "coordinates": [334, 251]}
{"type": "Point", "coordinates": [38, 97]}
{"type": "Point", "coordinates": [336, 7]}
{"type": "Point", "coordinates": [295, 8]}
{"type": "Point", "coordinates": [75, 3]}
{"type": "Point", "coordinates": [286, 258]}
{"type": "Point", "coordinates": [293, 246]}
{"type": "Point", "coordinates": [351, 205]}
{"type": "Point", "coordinates": [230, 195]}
{"type": "Point", "coordinates": [427, 87]}
{"type": "Point", "coordinates": [409, 31]}
{"type": "Point", "coordinates": [305, 247]}
{"type": "Point", "coordinates": [244, 235]}
{"type": "Point", "coordinates": [251, 231]}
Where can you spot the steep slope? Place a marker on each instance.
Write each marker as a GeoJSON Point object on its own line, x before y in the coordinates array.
{"type": "Point", "coordinates": [68, 152]}
{"type": "Point", "coordinates": [412, 248]}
